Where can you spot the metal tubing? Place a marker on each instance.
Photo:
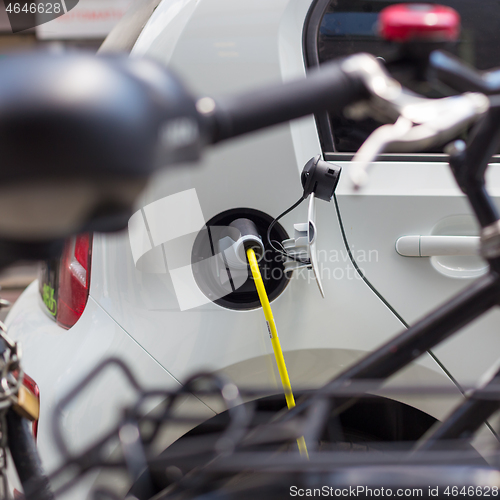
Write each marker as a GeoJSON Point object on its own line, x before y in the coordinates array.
{"type": "Point", "coordinates": [483, 144]}
{"type": "Point", "coordinates": [453, 72]}
{"type": "Point", "coordinates": [428, 332]}
{"type": "Point", "coordinates": [330, 88]}
{"type": "Point", "coordinates": [469, 165]}
{"type": "Point", "coordinates": [482, 205]}
{"type": "Point", "coordinates": [440, 324]}
{"type": "Point", "coordinates": [465, 419]}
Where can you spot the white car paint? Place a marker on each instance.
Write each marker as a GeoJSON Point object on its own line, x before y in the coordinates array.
{"type": "Point", "coordinates": [58, 359]}
{"type": "Point", "coordinates": [220, 46]}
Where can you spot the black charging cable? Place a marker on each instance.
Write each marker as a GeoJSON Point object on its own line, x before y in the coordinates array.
{"type": "Point", "coordinates": [282, 251]}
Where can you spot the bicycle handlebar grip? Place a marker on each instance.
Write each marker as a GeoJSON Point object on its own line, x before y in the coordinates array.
{"type": "Point", "coordinates": [328, 88]}
{"type": "Point", "coordinates": [25, 455]}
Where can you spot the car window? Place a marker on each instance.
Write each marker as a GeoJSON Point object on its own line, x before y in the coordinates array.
{"type": "Point", "coordinates": [348, 26]}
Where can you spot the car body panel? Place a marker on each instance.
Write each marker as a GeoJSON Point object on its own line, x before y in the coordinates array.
{"type": "Point", "coordinates": [260, 171]}
{"type": "Point", "coordinates": [58, 359]}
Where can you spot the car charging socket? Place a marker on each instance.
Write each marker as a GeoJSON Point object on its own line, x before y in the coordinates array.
{"type": "Point", "coordinates": [243, 234]}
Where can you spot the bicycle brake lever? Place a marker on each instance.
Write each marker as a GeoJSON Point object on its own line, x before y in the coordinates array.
{"type": "Point", "coordinates": [422, 123]}
{"type": "Point", "coordinates": [376, 144]}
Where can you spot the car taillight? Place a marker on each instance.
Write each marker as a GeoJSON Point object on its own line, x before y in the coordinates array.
{"type": "Point", "coordinates": [32, 386]}
{"type": "Point", "coordinates": [74, 280]}
{"type": "Point", "coordinates": [65, 283]}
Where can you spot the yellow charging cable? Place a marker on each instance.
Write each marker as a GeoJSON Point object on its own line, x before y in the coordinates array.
{"type": "Point", "coordinates": [273, 333]}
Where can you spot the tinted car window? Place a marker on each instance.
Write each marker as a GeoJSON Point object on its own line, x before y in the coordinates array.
{"type": "Point", "coordinates": [350, 26]}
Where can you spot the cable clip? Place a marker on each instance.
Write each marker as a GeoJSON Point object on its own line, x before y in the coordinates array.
{"type": "Point", "coordinates": [319, 180]}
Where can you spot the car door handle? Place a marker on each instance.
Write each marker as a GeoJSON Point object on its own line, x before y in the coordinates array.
{"type": "Point", "coordinates": [428, 246]}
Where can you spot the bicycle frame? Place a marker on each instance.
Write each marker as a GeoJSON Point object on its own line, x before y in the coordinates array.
{"type": "Point", "coordinates": [468, 165]}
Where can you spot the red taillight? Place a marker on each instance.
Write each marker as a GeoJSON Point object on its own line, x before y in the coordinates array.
{"type": "Point", "coordinates": [74, 280]}
{"type": "Point", "coordinates": [32, 386]}
{"type": "Point", "coordinates": [411, 22]}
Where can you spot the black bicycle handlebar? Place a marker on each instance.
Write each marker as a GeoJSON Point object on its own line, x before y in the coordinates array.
{"type": "Point", "coordinates": [116, 118]}
{"type": "Point", "coordinates": [460, 77]}
{"type": "Point", "coordinates": [326, 89]}
{"type": "Point", "coordinates": [101, 126]}
{"type": "Point", "coordinates": [110, 122]}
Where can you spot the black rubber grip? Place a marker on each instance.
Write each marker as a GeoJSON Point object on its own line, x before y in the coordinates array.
{"type": "Point", "coordinates": [25, 455]}
{"type": "Point", "coordinates": [327, 88]}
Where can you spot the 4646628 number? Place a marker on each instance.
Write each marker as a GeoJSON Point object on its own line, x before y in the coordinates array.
{"type": "Point", "coordinates": [35, 8]}
{"type": "Point", "coordinates": [471, 491]}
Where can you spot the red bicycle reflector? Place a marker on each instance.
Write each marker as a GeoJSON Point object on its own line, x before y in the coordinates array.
{"type": "Point", "coordinates": [419, 22]}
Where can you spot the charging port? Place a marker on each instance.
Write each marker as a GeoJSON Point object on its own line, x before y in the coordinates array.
{"type": "Point", "coordinates": [222, 274]}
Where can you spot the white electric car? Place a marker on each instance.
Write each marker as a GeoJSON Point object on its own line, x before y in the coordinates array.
{"type": "Point", "coordinates": [122, 295]}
